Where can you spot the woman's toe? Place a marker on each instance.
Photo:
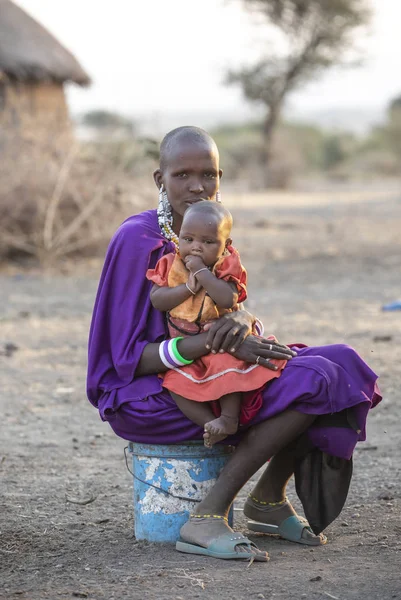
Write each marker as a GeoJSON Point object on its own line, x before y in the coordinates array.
{"type": "Point", "coordinates": [254, 551]}
{"type": "Point", "coordinates": [308, 535]}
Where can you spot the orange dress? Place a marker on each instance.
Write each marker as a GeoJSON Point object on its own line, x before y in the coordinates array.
{"type": "Point", "coordinates": [214, 375]}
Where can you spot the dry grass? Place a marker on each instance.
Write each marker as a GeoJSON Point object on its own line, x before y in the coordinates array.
{"type": "Point", "coordinates": [57, 204]}
{"type": "Point", "coordinates": [62, 199]}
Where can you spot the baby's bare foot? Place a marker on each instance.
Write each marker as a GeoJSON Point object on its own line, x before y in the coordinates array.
{"type": "Point", "coordinates": [218, 429]}
{"type": "Point", "coordinates": [223, 425]}
{"type": "Point", "coordinates": [209, 438]}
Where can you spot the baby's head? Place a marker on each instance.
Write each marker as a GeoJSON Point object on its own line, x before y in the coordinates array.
{"type": "Point", "coordinates": [205, 231]}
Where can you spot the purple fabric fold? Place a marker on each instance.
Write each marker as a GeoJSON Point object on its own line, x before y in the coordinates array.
{"type": "Point", "coordinates": [123, 320]}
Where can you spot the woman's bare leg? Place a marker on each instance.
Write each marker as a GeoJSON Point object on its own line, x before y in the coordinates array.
{"type": "Point", "coordinates": [227, 423]}
{"type": "Point", "coordinates": [259, 444]}
{"type": "Point", "coordinates": [272, 485]}
{"type": "Point", "coordinates": [267, 501]}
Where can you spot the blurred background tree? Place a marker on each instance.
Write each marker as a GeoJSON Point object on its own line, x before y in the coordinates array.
{"type": "Point", "coordinates": [392, 129]}
{"type": "Point", "coordinates": [380, 151]}
{"type": "Point", "coordinates": [318, 34]}
{"type": "Point", "coordinates": [109, 121]}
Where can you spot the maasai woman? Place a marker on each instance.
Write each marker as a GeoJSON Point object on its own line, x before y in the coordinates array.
{"type": "Point", "coordinates": [324, 392]}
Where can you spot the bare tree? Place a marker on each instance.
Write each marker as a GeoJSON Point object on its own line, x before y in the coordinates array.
{"type": "Point", "coordinates": [391, 131]}
{"type": "Point", "coordinates": [318, 35]}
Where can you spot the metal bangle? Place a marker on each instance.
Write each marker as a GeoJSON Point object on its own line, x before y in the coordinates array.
{"type": "Point", "coordinates": [189, 289]}
{"type": "Point", "coordinates": [199, 270]}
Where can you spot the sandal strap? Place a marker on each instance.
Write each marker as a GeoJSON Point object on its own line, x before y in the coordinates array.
{"type": "Point", "coordinates": [292, 528]}
{"type": "Point", "coordinates": [228, 542]}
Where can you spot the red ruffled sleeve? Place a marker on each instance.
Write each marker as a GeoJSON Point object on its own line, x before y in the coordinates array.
{"type": "Point", "coordinates": [159, 274]}
{"type": "Point", "coordinates": [230, 269]}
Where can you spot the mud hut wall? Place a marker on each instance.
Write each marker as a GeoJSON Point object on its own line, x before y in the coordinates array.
{"type": "Point", "coordinates": [33, 112]}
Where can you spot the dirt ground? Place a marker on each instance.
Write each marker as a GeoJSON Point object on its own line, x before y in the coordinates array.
{"type": "Point", "coordinates": [320, 267]}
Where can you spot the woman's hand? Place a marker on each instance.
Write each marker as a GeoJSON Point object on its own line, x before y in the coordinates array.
{"type": "Point", "coordinates": [253, 347]}
{"type": "Point", "coordinates": [228, 333]}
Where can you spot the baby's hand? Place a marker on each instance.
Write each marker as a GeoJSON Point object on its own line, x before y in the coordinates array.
{"type": "Point", "coordinates": [193, 283]}
{"type": "Point", "coordinates": [193, 263]}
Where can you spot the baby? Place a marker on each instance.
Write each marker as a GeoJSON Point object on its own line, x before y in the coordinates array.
{"type": "Point", "coordinates": [195, 286]}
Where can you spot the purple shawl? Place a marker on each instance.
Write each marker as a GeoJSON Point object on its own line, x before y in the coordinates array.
{"type": "Point", "coordinates": [124, 321]}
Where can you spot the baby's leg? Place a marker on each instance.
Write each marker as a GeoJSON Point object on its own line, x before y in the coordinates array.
{"type": "Point", "coordinates": [227, 423]}
{"type": "Point", "coordinates": [197, 412]}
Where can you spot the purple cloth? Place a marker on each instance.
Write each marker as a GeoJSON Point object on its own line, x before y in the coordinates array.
{"type": "Point", "coordinates": [320, 381]}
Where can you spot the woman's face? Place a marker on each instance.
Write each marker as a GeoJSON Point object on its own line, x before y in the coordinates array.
{"type": "Point", "coordinates": [190, 173]}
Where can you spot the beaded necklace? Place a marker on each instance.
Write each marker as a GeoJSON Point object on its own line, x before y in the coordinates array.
{"type": "Point", "coordinates": [165, 218]}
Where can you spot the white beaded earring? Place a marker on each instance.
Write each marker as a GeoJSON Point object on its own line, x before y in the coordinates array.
{"type": "Point", "coordinates": [218, 196]}
{"type": "Point", "coordinates": [165, 217]}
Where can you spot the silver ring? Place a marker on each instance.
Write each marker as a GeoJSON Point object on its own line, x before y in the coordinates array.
{"type": "Point", "coordinates": [270, 346]}
{"type": "Point", "coordinates": [258, 359]}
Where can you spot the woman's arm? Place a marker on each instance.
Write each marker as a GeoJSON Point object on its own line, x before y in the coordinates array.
{"type": "Point", "coordinates": [191, 348]}
{"type": "Point", "coordinates": [166, 298]}
{"type": "Point", "coordinates": [233, 327]}
{"type": "Point", "coordinates": [194, 347]}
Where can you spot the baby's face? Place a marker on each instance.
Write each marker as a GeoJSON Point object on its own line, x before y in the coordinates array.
{"type": "Point", "coordinates": [204, 236]}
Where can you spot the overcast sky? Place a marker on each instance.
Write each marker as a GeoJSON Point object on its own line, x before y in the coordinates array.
{"type": "Point", "coordinates": [156, 56]}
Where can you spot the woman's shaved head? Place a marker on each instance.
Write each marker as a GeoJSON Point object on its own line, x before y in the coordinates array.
{"type": "Point", "coordinates": [189, 169]}
{"type": "Point", "coordinates": [185, 135]}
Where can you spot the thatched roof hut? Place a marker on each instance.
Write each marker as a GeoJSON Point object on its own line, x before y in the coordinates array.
{"type": "Point", "coordinates": [29, 53]}
{"type": "Point", "coordinates": [33, 69]}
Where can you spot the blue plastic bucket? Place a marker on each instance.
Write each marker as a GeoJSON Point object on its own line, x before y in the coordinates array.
{"type": "Point", "coordinates": [183, 472]}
